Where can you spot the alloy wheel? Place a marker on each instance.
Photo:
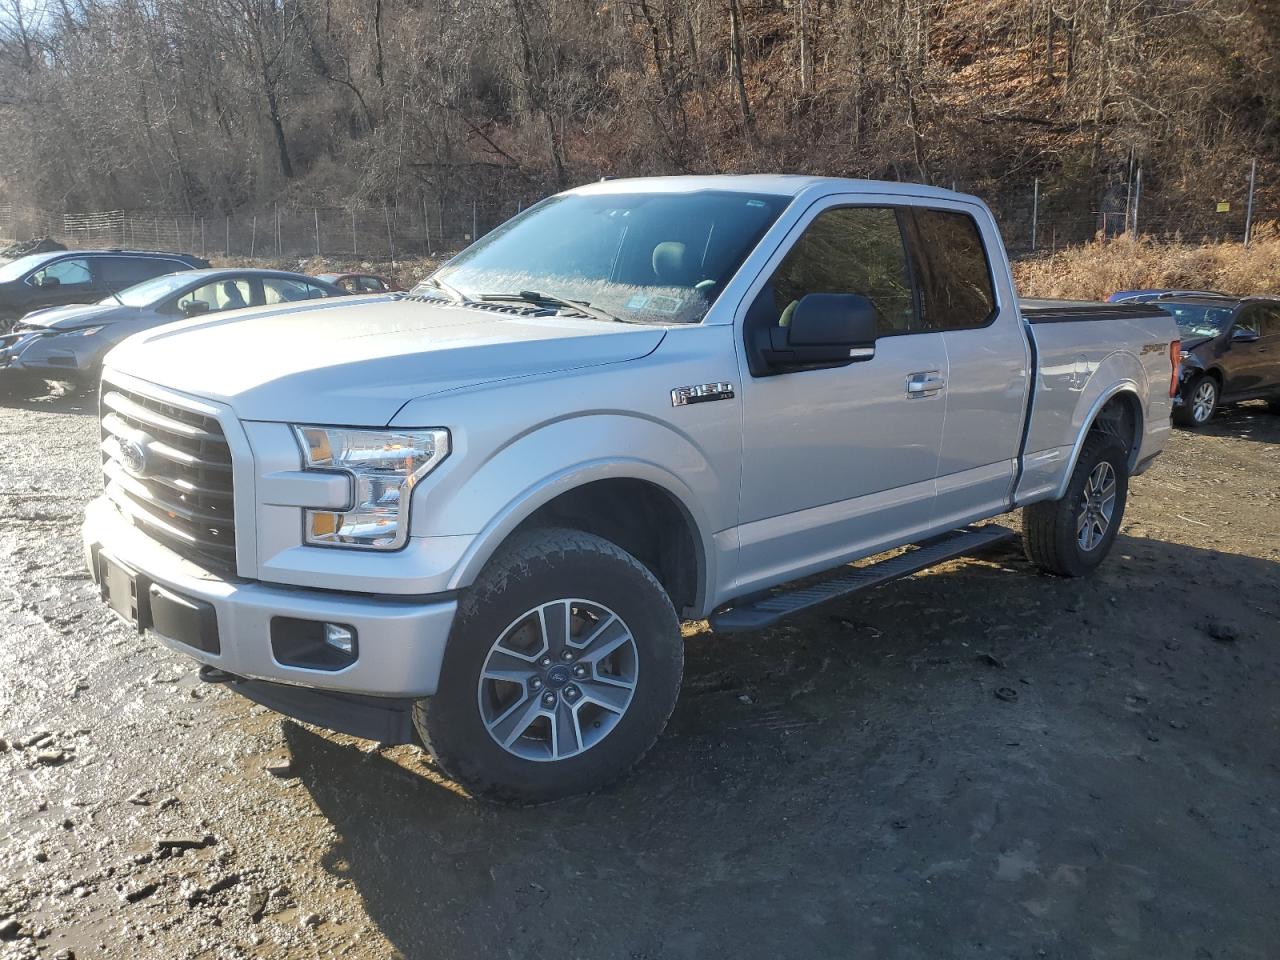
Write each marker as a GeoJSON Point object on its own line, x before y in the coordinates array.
{"type": "Point", "coordinates": [558, 680]}
{"type": "Point", "coordinates": [1097, 503]}
{"type": "Point", "coordinates": [1203, 401]}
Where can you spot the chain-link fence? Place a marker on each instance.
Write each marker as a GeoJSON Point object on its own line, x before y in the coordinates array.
{"type": "Point", "coordinates": [382, 233]}
{"type": "Point", "coordinates": [1033, 220]}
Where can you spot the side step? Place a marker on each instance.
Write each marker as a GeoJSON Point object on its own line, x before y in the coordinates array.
{"type": "Point", "coordinates": [767, 610]}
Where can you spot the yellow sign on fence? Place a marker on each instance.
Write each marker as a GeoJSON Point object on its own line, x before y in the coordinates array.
{"type": "Point", "coordinates": [1224, 206]}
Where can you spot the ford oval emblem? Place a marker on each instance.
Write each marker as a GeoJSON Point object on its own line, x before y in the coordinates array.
{"type": "Point", "coordinates": [134, 457]}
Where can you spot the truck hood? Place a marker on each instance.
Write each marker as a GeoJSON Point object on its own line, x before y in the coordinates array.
{"type": "Point", "coordinates": [358, 362]}
{"type": "Point", "coordinates": [77, 315]}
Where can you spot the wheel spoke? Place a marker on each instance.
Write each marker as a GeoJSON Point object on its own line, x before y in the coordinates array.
{"type": "Point", "coordinates": [515, 720]}
{"type": "Point", "coordinates": [554, 618]}
{"type": "Point", "coordinates": [502, 665]}
{"type": "Point", "coordinates": [611, 697]}
{"type": "Point", "coordinates": [566, 735]}
{"type": "Point", "coordinates": [605, 641]}
{"type": "Point", "coordinates": [1084, 519]}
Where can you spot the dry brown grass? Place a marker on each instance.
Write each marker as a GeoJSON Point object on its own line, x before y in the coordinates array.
{"type": "Point", "coordinates": [1094, 270]}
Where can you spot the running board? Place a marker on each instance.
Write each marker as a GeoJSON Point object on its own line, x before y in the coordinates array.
{"type": "Point", "coordinates": [767, 610]}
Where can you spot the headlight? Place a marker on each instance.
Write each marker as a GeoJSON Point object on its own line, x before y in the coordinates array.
{"type": "Point", "coordinates": [383, 466]}
{"type": "Point", "coordinates": [85, 331]}
{"type": "Point", "coordinates": [1183, 355]}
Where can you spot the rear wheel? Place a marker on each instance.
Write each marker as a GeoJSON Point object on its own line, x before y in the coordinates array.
{"type": "Point", "coordinates": [562, 668]}
{"type": "Point", "coordinates": [1199, 400]}
{"type": "Point", "coordinates": [1071, 536]}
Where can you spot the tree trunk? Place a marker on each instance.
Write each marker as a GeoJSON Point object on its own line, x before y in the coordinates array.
{"type": "Point", "coordinates": [735, 64]}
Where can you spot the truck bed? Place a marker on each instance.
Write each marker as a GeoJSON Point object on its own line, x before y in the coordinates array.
{"type": "Point", "coordinates": [1077, 357]}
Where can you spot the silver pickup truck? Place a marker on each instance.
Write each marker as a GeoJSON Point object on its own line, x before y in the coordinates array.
{"type": "Point", "coordinates": [478, 512]}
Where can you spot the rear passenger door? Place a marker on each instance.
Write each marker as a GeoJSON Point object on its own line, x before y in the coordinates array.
{"type": "Point", "coordinates": [839, 461]}
{"type": "Point", "coordinates": [988, 361]}
{"type": "Point", "coordinates": [118, 273]}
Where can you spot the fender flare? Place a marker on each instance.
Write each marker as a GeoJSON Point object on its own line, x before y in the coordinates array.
{"type": "Point", "coordinates": [543, 491]}
{"type": "Point", "coordinates": [1126, 385]}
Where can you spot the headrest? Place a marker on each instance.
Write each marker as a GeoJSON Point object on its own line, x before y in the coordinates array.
{"type": "Point", "coordinates": [668, 263]}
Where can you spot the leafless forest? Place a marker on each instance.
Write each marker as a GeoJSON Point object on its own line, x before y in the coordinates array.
{"type": "Point", "coordinates": [213, 106]}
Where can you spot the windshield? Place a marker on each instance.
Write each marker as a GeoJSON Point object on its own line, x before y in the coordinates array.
{"type": "Point", "coordinates": [23, 265]}
{"type": "Point", "coordinates": [641, 257]}
{"type": "Point", "coordinates": [1198, 319]}
{"type": "Point", "coordinates": [150, 291]}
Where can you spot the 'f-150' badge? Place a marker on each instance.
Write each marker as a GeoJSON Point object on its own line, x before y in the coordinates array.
{"type": "Point", "coordinates": [701, 393]}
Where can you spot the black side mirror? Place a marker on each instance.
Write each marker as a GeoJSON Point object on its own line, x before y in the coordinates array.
{"type": "Point", "coordinates": [826, 330]}
{"type": "Point", "coordinates": [48, 283]}
{"type": "Point", "coordinates": [1243, 335]}
{"type": "Point", "coordinates": [194, 308]}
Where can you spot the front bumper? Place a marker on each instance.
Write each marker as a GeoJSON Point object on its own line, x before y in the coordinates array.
{"type": "Point", "coordinates": [401, 640]}
{"type": "Point", "coordinates": [52, 357]}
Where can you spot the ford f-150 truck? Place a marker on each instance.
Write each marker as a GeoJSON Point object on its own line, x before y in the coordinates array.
{"type": "Point", "coordinates": [477, 512]}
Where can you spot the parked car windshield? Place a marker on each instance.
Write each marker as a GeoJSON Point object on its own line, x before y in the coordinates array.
{"type": "Point", "coordinates": [150, 291]}
{"type": "Point", "coordinates": [641, 257]}
{"type": "Point", "coordinates": [19, 268]}
{"type": "Point", "coordinates": [1198, 319]}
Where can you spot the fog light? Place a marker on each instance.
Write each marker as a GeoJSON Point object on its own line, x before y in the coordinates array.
{"type": "Point", "coordinates": [340, 638]}
{"type": "Point", "coordinates": [314, 644]}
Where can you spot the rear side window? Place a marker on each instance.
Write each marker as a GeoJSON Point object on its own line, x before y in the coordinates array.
{"type": "Point", "coordinates": [121, 272]}
{"type": "Point", "coordinates": [952, 271]}
{"type": "Point", "coordinates": [845, 250]}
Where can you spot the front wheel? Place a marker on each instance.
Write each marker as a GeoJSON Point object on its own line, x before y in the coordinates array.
{"type": "Point", "coordinates": [1071, 536]}
{"type": "Point", "coordinates": [1199, 400]}
{"type": "Point", "coordinates": [563, 667]}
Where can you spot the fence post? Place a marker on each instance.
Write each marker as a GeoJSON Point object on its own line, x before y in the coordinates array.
{"type": "Point", "coordinates": [203, 249]}
{"type": "Point", "coordinates": [1137, 199]}
{"type": "Point", "coordinates": [386, 212]}
{"type": "Point", "coordinates": [1035, 212]}
{"type": "Point", "coordinates": [227, 252]}
{"type": "Point", "coordinates": [353, 231]}
{"type": "Point", "coordinates": [316, 213]}
{"type": "Point", "coordinates": [426, 228]}
{"type": "Point", "coordinates": [1248, 210]}
{"type": "Point", "coordinates": [474, 222]}
{"type": "Point", "coordinates": [253, 236]}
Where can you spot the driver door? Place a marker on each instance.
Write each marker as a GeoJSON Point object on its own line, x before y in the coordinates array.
{"type": "Point", "coordinates": [1243, 361]}
{"type": "Point", "coordinates": [842, 461]}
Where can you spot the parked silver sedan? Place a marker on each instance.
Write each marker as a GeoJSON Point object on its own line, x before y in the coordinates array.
{"type": "Point", "coordinates": [68, 343]}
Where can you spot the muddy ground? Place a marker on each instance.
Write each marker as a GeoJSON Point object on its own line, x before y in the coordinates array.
{"type": "Point", "coordinates": [976, 762]}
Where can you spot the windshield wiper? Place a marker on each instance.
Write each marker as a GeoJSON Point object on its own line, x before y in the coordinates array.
{"type": "Point", "coordinates": [454, 294]}
{"type": "Point", "coordinates": [539, 298]}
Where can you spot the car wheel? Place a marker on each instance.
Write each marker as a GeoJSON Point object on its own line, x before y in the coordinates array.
{"type": "Point", "coordinates": [1199, 400]}
{"type": "Point", "coordinates": [562, 669]}
{"type": "Point", "coordinates": [1071, 536]}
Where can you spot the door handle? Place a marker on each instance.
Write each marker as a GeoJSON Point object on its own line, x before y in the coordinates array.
{"type": "Point", "coordinates": [925, 384]}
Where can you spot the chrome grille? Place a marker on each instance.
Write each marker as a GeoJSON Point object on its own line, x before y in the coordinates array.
{"type": "Point", "coordinates": [169, 468]}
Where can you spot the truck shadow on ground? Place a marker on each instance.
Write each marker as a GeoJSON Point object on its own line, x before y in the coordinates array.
{"type": "Point", "coordinates": [978, 759]}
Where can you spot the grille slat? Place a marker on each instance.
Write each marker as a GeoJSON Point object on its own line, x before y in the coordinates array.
{"type": "Point", "coordinates": [182, 494]}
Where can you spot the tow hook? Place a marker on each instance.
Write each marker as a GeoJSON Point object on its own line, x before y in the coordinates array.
{"type": "Point", "coordinates": [214, 675]}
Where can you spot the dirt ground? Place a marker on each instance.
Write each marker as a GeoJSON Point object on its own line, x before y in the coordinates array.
{"type": "Point", "coordinates": [976, 762]}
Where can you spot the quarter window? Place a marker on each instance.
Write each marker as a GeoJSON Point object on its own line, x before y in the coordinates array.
{"type": "Point", "coordinates": [282, 290]}
{"type": "Point", "coordinates": [952, 270]}
{"type": "Point", "coordinates": [845, 250]}
{"type": "Point", "coordinates": [221, 295]}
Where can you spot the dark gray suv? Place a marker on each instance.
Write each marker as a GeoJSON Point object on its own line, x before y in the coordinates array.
{"type": "Point", "coordinates": [79, 276]}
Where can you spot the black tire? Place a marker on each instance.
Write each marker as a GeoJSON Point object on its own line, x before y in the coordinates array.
{"type": "Point", "coordinates": [1184, 414]}
{"type": "Point", "coordinates": [535, 569]}
{"type": "Point", "coordinates": [1050, 529]}
{"type": "Point", "coordinates": [1273, 405]}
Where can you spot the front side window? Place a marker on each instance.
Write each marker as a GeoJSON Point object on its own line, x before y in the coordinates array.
{"type": "Point", "coordinates": [845, 250]}
{"type": "Point", "coordinates": [221, 295]}
{"type": "Point", "coordinates": [641, 257]}
{"type": "Point", "coordinates": [956, 292]}
{"type": "Point", "coordinates": [370, 285]}
{"type": "Point", "coordinates": [72, 272]}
